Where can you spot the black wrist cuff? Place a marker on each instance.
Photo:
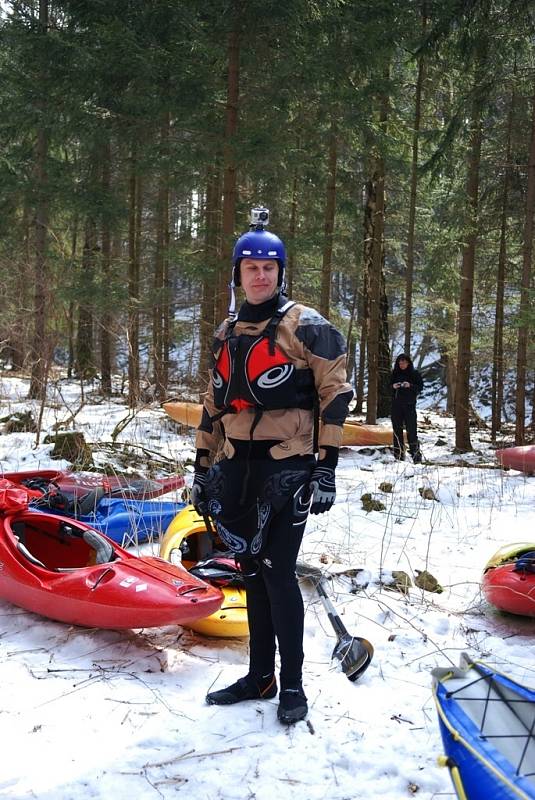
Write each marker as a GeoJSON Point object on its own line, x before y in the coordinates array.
{"type": "Point", "coordinates": [331, 456]}
{"type": "Point", "coordinates": [202, 459]}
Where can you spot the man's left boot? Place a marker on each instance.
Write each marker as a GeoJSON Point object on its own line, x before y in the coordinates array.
{"type": "Point", "coordinates": [292, 706]}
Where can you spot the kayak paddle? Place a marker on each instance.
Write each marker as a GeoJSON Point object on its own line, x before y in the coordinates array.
{"type": "Point", "coordinates": [354, 653]}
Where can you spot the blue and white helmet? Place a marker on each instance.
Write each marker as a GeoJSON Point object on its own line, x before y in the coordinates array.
{"type": "Point", "coordinates": [258, 244]}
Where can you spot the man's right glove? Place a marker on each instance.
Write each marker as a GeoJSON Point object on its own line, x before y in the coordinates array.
{"type": "Point", "coordinates": [198, 497]}
{"type": "Point", "coordinates": [322, 483]}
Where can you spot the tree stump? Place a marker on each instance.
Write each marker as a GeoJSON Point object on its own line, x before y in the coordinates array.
{"type": "Point", "coordinates": [72, 447]}
{"type": "Point", "coordinates": [20, 422]}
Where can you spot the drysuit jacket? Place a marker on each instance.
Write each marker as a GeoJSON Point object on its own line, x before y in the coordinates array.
{"type": "Point", "coordinates": [309, 362]}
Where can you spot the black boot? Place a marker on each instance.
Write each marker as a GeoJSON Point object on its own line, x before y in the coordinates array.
{"type": "Point", "coordinates": [292, 706]}
{"type": "Point", "coordinates": [248, 688]}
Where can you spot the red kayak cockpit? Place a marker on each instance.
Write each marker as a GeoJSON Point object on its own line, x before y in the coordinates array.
{"type": "Point", "coordinates": [59, 545]}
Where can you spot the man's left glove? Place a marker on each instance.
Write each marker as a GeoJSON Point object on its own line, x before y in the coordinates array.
{"type": "Point", "coordinates": [322, 483]}
{"type": "Point", "coordinates": [198, 497]}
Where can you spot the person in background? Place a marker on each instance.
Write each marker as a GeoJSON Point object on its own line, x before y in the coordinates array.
{"type": "Point", "coordinates": [407, 384]}
{"type": "Point", "coordinates": [278, 367]}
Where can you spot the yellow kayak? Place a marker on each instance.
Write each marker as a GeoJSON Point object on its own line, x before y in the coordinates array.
{"type": "Point", "coordinates": [187, 541]}
{"type": "Point", "coordinates": [355, 432]}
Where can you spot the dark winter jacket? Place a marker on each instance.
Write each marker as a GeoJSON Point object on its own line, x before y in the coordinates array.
{"type": "Point", "coordinates": [405, 395]}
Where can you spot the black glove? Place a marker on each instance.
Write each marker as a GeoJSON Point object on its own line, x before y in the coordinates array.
{"type": "Point", "coordinates": [198, 497]}
{"type": "Point", "coordinates": [322, 484]}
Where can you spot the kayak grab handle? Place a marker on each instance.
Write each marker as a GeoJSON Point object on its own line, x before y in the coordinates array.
{"type": "Point", "coordinates": [189, 589]}
{"type": "Point", "coordinates": [95, 580]}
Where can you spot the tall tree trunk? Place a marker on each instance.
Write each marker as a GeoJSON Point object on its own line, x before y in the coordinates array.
{"type": "Point", "coordinates": [85, 360]}
{"type": "Point", "coordinates": [106, 319]}
{"type": "Point", "coordinates": [39, 345]}
{"type": "Point", "coordinates": [363, 297]}
{"type": "Point", "coordinates": [85, 364]}
{"type": "Point", "coordinates": [384, 364]}
{"type": "Point", "coordinates": [212, 228]}
{"type": "Point", "coordinates": [497, 355]}
{"type": "Point", "coordinates": [229, 162]}
{"type": "Point", "coordinates": [161, 256]}
{"type": "Point", "coordinates": [328, 230]}
{"type": "Point", "coordinates": [377, 209]}
{"type": "Point", "coordinates": [447, 345]}
{"type": "Point", "coordinates": [466, 298]}
{"type": "Point", "coordinates": [351, 336]}
{"type": "Point", "coordinates": [409, 277]}
{"type": "Point", "coordinates": [525, 304]}
{"type": "Point", "coordinates": [134, 225]}
{"type": "Point", "coordinates": [351, 358]}
{"type": "Point", "coordinates": [451, 381]}
{"type": "Point", "coordinates": [167, 311]}
{"type": "Point", "coordinates": [17, 348]}
{"type": "Point", "coordinates": [359, 387]}
{"type": "Point", "coordinates": [292, 234]}
{"type": "Point", "coordinates": [363, 345]}
{"type": "Point", "coordinates": [375, 269]}
{"type": "Point", "coordinates": [70, 310]}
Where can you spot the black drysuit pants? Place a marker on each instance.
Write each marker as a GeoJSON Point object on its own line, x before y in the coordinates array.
{"type": "Point", "coordinates": [266, 501]}
{"type": "Point", "coordinates": [274, 602]}
{"type": "Point", "coordinates": [404, 415]}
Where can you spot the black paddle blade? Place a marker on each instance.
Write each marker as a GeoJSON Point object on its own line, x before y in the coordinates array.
{"type": "Point", "coordinates": [355, 655]}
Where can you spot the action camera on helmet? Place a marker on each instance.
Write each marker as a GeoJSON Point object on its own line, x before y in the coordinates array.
{"type": "Point", "coordinates": [259, 217]}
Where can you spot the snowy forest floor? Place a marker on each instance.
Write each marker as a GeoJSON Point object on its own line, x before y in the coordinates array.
{"type": "Point", "coordinates": [96, 714]}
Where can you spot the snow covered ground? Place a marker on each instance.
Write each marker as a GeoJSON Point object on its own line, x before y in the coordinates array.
{"type": "Point", "coordinates": [102, 714]}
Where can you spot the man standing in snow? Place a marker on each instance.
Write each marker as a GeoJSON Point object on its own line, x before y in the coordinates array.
{"type": "Point", "coordinates": [406, 384]}
{"type": "Point", "coordinates": [275, 363]}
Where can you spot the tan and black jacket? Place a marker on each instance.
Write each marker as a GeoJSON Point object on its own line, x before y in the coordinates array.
{"type": "Point", "coordinates": [282, 382]}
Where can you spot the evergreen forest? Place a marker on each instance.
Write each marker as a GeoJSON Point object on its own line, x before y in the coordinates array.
{"type": "Point", "coordinates": [393, 142]}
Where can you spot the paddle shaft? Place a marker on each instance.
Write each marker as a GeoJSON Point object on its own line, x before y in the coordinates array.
{"type": "Point", "coordinates": [315, 575]}
{"type": "Point", "coordinates": [334, 618]}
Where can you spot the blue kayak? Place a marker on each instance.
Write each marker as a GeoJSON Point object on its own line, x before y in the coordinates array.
{"type": "Point", "coordinates": [127, 522]}
{"type": "Point", "coordinates": [487, 723]}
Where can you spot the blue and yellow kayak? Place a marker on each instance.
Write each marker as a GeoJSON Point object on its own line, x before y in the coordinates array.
{"type": "Point", "coordinates": [487, 723]}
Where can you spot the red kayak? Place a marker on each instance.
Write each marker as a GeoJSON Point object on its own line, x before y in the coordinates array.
{"type": "Point", "coordinates": [87, 488]}
{"type": "Point", "coordinates": [521, 458]}
{"type": "Point", "coordinates": [66, 571]}
{"type": "Point", "coordinates": [509, 579]}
